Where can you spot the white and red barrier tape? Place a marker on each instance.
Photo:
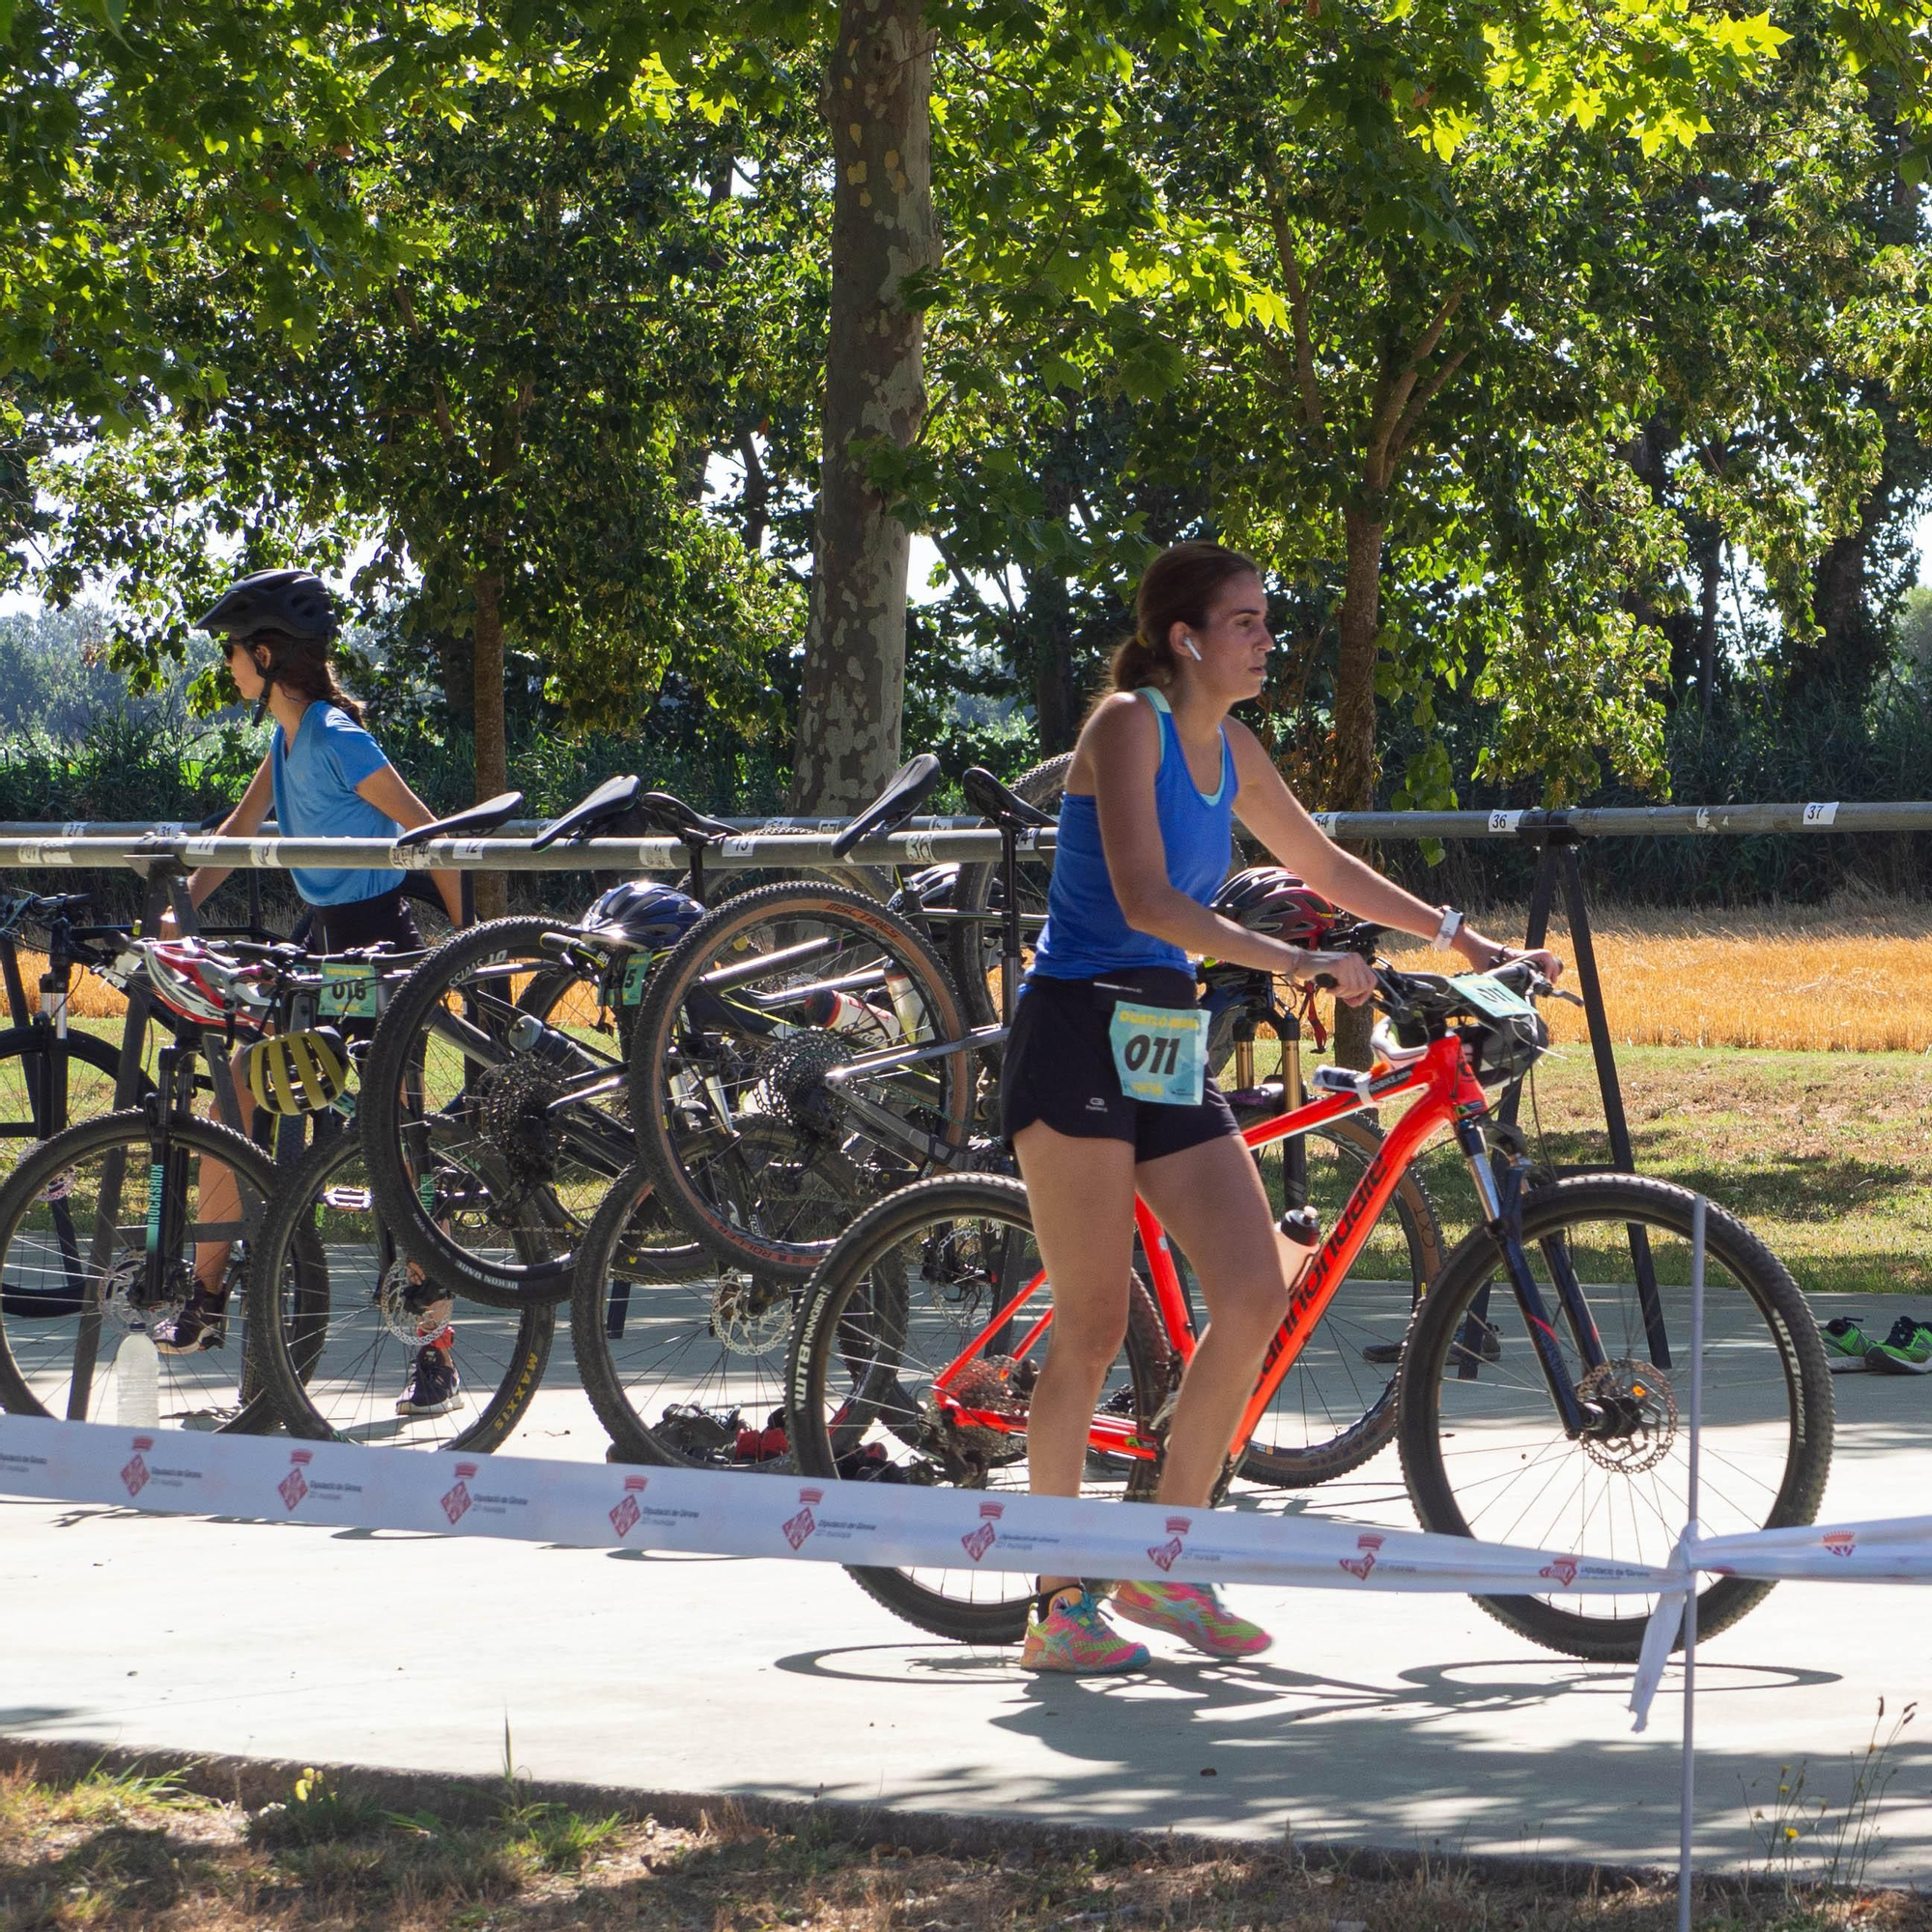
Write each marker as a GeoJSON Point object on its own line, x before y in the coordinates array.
{"type": "Point", "coordinates": [596, 1505]}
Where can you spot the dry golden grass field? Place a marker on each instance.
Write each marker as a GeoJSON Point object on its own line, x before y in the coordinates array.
{"type": "Point", "coordinates": [1847, 977]}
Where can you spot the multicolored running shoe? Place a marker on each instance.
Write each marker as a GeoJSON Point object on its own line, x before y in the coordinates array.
{"type": "Point", "coordinates": [1073, 1635]}
{"type": "Point", "coordinates": [1906, 1352]}
{"type": "Point", "coordinates": [1194, 1613]}
{"type": "Point", "coordinates": [1846, 1344]}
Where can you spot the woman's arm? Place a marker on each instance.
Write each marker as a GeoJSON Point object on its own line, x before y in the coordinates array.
{"type": "Point", "coordinates": [385, 790]}
{"type": "Point", "coordinates": [1266, 807]}
{"type": "Point", "coordinates": [1122, 743]}
{"type": "Point", "coordinates": [246, 817]}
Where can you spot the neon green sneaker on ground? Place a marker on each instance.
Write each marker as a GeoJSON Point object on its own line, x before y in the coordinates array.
{"type": "Point", "coordinates": [1193, 1612]}
{"type": "Point", "coordinates": [1846, 1344]}
{"type": "Point", "coordinates": [1073, 1635]}
{"type": "Point", "coordinates": [1906, 1352]}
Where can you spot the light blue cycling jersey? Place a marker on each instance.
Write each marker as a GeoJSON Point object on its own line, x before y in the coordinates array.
{"type": "Point", "coordinates": [315, 779]}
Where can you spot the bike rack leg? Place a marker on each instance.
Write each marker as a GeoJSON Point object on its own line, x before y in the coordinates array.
{"type": "Point", "coordinates": [1609, 1088]}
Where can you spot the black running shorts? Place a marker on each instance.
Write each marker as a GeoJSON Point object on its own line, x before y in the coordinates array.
{"type": "Point", "coordinates": [1060, 1066]}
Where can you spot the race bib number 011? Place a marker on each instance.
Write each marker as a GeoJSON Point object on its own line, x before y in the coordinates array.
{"type": "Point", "coordinates": [1160, 1053]}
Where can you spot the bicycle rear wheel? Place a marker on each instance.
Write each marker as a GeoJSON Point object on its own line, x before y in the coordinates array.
{"type": "Point", "coordinates": [80, 1278]}
{"type": "Point", "coordinates": [1484, 1449]}
{"type": "Point", "coordinates": [879, 1392]}
{"type": "Point", "coordinates": [751, 1142]}
{"type": "Point", "coordinates": [496, 1113]}
{"type": "Point", "coordinates": [335, 1307]}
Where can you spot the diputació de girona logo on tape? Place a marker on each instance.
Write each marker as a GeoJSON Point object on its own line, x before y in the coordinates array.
{"type": "Point", "coordinates": [455, 1498]}
{"type": "Point", "coordinates": [977, 1541]}
{"type": "Point", "coordinates": [1360, 1565]}
{"type": "Point", "coordinates": [1165, 1553]}
{"type": "Point", "coordinates": [294, 1487]}
{"type": "Point", "coordinates": [798, 1527]}
{"type": "Point", "coordinates": [625, 1515]}
{"type": "Point", "coordinates": [134, 1471]}
{"type": "Point", "coordinates": [1563, 1570]}
{"type": "Point", "coordinates": [1840, 1542]}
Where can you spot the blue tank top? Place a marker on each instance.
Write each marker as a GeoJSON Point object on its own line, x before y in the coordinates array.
{"type": "Point", "coordinates": [1086, 932]}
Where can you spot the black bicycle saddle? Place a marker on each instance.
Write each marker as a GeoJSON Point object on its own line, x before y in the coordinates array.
{"type": "Point", "coordinates": [592, 813]}
{"type": "Point", "coordinates": [483, 818]}
{"type": "Point", "coordinates": [906, 790]}
{"type": "Point", "coordinates": [664, 812]}
{"type": "Point", "coordinates": [1008, 810]}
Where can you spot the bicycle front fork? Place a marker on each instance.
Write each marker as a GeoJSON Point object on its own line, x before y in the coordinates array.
{"type": "Point", "coordinates": [1500, 1189]}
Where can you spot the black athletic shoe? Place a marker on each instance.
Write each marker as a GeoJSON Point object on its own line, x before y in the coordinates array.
{"type": "Point", "coordinates": [200, 1324]}
{"type": "Point", "coordinates": [433, 1383]}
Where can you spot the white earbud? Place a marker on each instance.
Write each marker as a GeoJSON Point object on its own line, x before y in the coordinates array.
{"type": "Point", "coordinates": [1187, 645]}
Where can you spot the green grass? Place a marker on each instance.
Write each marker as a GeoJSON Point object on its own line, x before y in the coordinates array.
{"type": "Point", "coordinates": [143, 1854]}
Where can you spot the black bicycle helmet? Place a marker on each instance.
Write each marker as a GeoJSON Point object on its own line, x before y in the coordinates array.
{"type": "Point", "coordinates": [1270, 899]}
{"type": "Point", "coordinates": [653, 916]}
{"type": "Point", "coordinates": [293, 602]}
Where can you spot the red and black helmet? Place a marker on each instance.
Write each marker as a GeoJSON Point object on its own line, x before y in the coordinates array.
{"type": "Point", "coordinates": [1271, 899]}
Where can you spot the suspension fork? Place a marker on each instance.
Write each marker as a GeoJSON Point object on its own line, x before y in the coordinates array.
{"type": "Point", "coordinates": [1499, 1188]}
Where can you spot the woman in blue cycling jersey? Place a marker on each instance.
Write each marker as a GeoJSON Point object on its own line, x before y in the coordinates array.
{"type": "Point", "coordinates": [1144, 841]}
{"type": "Point", "coordinates": [326, 776]}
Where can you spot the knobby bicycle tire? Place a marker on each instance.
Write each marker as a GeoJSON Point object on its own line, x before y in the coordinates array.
{"type": "Point", "coordinates": [723, 1209]}
{"type": "Point", "coordinates": [327, 1291]}
{"type": "Point", "coordinates": [529, 1263]}
{"type": "Point", "coordinates": [1470, 1367]}
{"type": "Point", "coordinates": [969, 943]}
{"type": "Point", "coordinates": [842, 1407]}
{"type": "Point", "coordinates": [47, 1233]}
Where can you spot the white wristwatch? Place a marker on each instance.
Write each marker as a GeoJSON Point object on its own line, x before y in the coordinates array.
{"type": "Point", "coordinates": [1445, 933]}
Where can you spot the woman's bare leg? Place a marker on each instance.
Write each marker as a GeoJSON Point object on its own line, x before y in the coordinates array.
{"type": "Point", "coordinates": [1082, 1196]}
{"type": "Point", "coordinates": [1211, 1201]}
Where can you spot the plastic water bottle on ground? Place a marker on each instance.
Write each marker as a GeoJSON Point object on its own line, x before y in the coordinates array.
{"type": "Point", "coordinates": [137, 1382]}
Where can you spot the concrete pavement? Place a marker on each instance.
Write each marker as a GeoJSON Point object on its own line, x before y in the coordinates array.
{"type": "Point", "coordinates": [1390, 1721]}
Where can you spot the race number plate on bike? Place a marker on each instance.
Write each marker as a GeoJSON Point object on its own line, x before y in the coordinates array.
{"type": "Point", "coordinates": [349, 992]}
{"type": "Point", "coordinates": [1160, 1053]}
{"type": "Point", "coordinates": [1493, 1000]}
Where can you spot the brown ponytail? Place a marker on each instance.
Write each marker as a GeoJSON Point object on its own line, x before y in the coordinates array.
{"type": "Point", "coordinates": [1177, 588]}
{"type": "Point", "coordinates": [303, 667]}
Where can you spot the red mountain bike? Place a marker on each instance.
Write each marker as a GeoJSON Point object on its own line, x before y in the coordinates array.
{"type": "Point", "coordinates": [1537, 1399]}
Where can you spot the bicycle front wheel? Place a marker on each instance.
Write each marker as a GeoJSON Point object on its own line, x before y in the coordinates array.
{"type": "Point", "coordinates": [339, 1313]}
{"type": "Point", "coordinates": [916, 1348]}
{"type": "Point", "coordinates": [99, 1229]}
{"type": "Point", "coordinates": [1484, 1451]}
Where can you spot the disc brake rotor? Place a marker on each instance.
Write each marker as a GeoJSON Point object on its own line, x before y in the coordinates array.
{"type": "Point", "coordinates": [1640, 1415]}
{"type": "Point", "coordinates": [749, 1315]}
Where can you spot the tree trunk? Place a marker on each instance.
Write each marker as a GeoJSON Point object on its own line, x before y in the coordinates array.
{"type": "Point", "coordinates": [877, 106]}
{"type": "Point", "coordinates": [493, 746]}
{"type": "Point", "coordinates": [1353, 786]}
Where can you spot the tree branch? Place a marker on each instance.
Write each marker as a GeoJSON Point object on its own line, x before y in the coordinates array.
{"type": "Point", "coordinates": [1393, 411]}
{"type": "Point", "coordinates": [442, 417]}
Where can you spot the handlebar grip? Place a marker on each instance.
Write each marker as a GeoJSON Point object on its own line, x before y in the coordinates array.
{"type": "Point", "coordinates": [1327, 982]}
